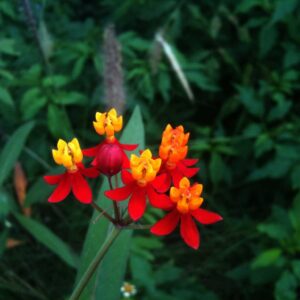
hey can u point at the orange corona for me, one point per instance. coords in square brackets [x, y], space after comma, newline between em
[173, 146]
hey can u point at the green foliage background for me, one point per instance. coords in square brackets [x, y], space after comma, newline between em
[241, 59]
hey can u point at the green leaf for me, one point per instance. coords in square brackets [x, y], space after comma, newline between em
[59, 122]
[267, 38]
[267, 258]
[3, 238]
[12, 150]
[106, 283]
[286, 287]
[8, 46]
[274, 230]
[32, 102]
[7, 203]
[5, 98]
[216, 169]
[70, 98]
[248, 98]
[296, 268]
[282, 9]
[42, 234]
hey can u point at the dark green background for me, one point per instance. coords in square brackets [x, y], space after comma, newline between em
[241, 59]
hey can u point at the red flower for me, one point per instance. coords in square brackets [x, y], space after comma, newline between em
[72, 181]
[177, 171]
[184, 205]
[142, 183]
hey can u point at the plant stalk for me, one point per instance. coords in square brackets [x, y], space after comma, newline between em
[115, 204]
[94, 264]
[103, 212]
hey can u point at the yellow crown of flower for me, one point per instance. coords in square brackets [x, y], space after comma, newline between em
[144, 168]
[68, 154]
[173, 146]
[108, 123]
[187, 197]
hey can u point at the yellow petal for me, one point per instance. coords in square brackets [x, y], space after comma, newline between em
[184, 183]
[174, 194]
[195, 203]
[196, 189]
[61, 144]
[156, 163]
[99, 128]
[57, 156]
[146, 154]
[134, 160]
[119, 124]
[100, 117]
[182, 206]
[112, 113]
[109, 129]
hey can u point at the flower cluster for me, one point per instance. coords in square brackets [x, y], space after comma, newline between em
[162, 181]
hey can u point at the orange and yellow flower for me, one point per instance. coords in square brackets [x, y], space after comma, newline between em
[140, 184]
[173, 151]
[186, 202]
[70, 156]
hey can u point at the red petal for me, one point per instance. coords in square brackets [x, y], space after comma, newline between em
[162, 182]
[190, 161]
[129, 147]
[137, 204]
[90, 152]
[126, 177]
[126, 163]
[62, 190]
[176, 176]
[120, 194]
[190, 172]
[53, 179]
[205, 216]
[189, 231]
[81, 189]
[161, 201]
[90, 172]
[167, 224]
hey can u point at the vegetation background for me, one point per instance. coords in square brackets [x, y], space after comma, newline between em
[241, 60]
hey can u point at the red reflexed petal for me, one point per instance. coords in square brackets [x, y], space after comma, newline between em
[53, 179]
[190, 172]
[176, 176]
[205, 216]
[190, 161]
[167, 224]
[126, 163]
[62, 190]
[126, 177]
[129, 147]
[137, 204]
[120, 194]
[90, 152]
[189, 231]
[81, 189]
[161, 201]
[90, 172]
[162, 182]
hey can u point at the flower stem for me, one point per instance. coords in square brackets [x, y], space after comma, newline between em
[115, 204]
[94, 264]
[103, 212]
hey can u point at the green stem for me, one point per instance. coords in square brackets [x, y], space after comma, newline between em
[94, 264]
[115, 204]
[103, 212]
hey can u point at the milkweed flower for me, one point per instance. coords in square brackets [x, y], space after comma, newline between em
[173, 150]
[185, 201]
[109, 156]
[70, 156]
[128, 290]
[140, 184]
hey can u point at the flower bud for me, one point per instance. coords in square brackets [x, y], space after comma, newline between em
[109, 159]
